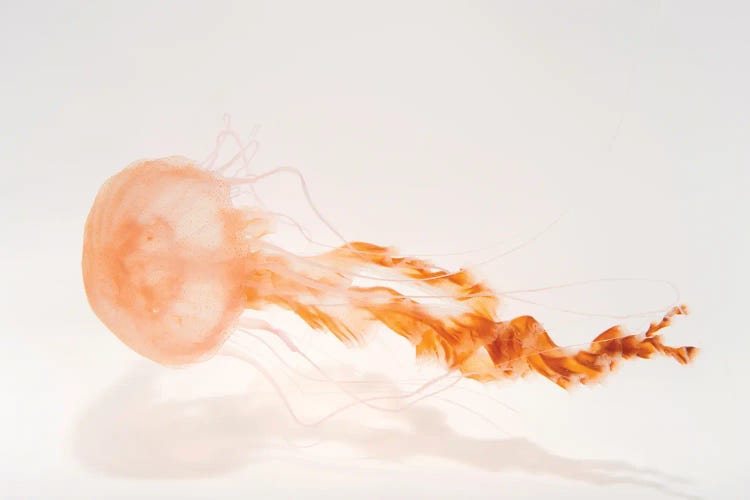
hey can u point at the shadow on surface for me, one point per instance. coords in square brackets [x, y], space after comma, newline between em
[129, 432]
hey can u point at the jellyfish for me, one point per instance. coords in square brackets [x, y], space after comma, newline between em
[173, 265]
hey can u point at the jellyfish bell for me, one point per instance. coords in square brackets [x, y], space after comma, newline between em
[164, 259]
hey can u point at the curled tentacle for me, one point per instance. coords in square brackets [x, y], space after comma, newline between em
[471, 339]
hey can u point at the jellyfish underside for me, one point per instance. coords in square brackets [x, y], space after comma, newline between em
[170, 264]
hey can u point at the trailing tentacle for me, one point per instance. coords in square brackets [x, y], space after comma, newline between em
[469, 338]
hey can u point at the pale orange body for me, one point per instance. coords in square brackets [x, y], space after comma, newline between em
[164, 258]
[170, 264]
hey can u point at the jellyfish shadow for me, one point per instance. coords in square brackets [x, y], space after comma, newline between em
[130, 432]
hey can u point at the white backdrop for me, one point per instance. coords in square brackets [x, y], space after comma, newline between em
[434, 127]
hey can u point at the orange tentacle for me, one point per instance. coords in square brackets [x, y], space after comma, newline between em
[524, 345]
[471, 340]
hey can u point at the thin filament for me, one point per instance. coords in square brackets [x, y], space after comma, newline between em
[285, 338]
[232, 349]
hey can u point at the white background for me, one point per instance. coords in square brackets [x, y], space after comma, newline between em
[437, 127]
